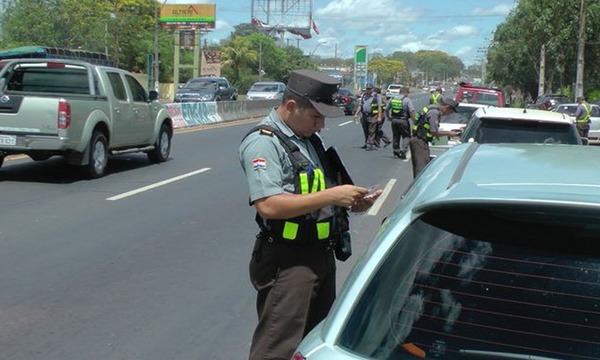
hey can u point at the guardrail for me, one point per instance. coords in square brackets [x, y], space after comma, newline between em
[210, 112]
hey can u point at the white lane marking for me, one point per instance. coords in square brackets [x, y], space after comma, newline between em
[380, 200]
[155, 185]
[346, 123]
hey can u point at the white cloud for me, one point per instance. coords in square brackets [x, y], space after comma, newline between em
[500, 9]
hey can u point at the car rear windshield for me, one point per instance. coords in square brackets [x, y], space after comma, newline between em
[522, 131]
[502, 290]
[202, 85]
[264, 88]
[476, 97]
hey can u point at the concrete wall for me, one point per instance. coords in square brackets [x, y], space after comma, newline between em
[210, 112]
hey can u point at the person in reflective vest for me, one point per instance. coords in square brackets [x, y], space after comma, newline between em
[371, 115]
[401, 112]
[582, 117]
[433, 100]
[297, 196]
[426, 127]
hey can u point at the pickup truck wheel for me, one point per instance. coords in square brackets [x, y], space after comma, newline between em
[162, 148]
[98, 155]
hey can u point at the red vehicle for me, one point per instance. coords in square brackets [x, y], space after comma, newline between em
[480, 95]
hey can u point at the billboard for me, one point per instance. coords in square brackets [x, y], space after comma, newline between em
[188, 16]
[210, 63]
[360, 66]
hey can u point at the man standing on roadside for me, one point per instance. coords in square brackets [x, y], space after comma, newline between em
[426, 128]
[297, 195]
[582, 117]
[370, 111]
[401, 112]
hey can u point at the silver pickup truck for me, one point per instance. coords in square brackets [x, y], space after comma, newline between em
[81, 111]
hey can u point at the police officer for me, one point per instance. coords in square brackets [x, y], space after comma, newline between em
[370, 111]
[435, 96]
[401, 111]
[426, 128]
[582, 117]
[293, 266]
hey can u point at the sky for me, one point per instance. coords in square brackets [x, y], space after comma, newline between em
[461, 28]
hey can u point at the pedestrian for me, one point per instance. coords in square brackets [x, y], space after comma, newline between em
[435, 96]
[426, 128]
[401, 112]
[297, 197]
[370, 110]
[582, 117]
[380, 134]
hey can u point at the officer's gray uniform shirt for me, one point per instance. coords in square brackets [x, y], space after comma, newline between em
[269, 170]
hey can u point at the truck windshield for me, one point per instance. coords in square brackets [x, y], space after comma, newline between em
[201, 85]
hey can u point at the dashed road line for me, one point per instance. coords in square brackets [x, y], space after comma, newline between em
[155, 185]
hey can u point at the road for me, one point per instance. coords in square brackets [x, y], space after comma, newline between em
[150, 261]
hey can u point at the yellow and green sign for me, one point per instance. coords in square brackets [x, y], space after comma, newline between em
[188, 16]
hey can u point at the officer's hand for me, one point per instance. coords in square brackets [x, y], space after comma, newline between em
[364, 203]
[347, 195]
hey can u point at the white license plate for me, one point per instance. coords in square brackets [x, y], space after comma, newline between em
[9, 140]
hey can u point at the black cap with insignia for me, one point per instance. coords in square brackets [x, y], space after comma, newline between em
[318, 88]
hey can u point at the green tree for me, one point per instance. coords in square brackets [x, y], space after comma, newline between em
[239, 55]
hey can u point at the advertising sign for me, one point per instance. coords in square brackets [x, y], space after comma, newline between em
[188, 16]
[211, 63]
[360, 66]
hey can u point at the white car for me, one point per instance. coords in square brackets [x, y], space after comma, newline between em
[393, 90]
[266, 91]
[594, 134]
[457, 121]
[518, 125]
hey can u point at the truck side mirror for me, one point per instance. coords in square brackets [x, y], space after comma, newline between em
[153, 95]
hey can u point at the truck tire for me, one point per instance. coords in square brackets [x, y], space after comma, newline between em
[98, 156]
[162, 147]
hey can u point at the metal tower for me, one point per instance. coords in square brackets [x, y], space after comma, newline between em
[275, 17]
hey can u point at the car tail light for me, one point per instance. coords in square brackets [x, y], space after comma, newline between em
[64, 114]
[298, 356]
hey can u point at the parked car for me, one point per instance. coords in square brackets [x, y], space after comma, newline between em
[207, 88]
[479, 95]
[512, 125]
[457, 121]
[594, 133]
[265, 91]
[548, 101]
[492, 253]
[346, 100]
[393, 90]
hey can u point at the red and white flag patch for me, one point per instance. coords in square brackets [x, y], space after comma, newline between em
[259, 163]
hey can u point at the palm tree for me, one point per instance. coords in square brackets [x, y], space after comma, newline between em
[238, 54]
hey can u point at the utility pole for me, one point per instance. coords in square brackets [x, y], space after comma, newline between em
[580, 52]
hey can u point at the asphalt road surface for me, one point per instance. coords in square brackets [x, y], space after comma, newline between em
[150, 262]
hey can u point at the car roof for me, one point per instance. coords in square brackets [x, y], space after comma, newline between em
[507, 113]
[473, 105]
[267, 83]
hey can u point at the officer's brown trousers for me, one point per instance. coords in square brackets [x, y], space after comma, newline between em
[296, 288]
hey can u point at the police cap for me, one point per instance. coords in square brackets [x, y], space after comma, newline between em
[318, 88]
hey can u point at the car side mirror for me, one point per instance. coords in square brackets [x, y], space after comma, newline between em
[153, 95]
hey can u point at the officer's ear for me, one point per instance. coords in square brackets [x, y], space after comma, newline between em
[290, 105]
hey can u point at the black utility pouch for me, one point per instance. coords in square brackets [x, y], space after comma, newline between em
[343, 247]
